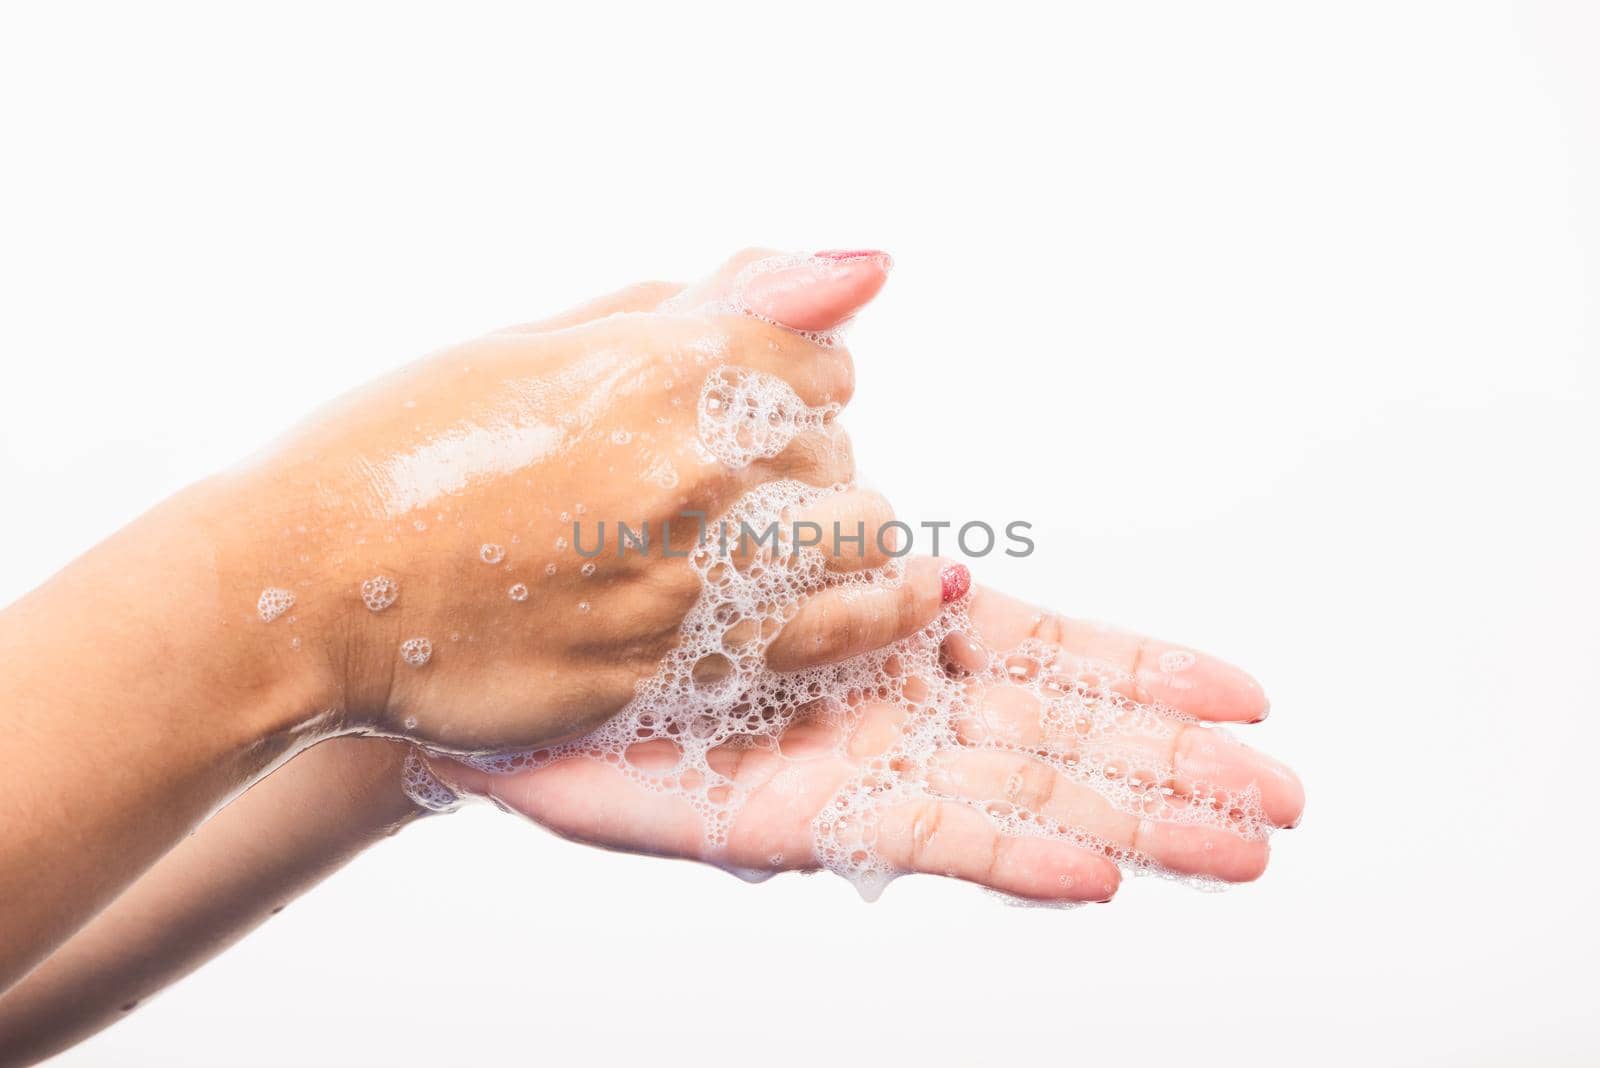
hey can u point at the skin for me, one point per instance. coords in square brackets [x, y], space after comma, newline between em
[142, 689]
[325, 806]
[277, 840]
[945, 835]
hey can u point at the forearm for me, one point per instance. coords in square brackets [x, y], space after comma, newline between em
[277, 840]
[135, 698]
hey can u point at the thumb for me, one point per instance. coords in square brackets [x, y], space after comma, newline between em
[812, 292]
[817, 292]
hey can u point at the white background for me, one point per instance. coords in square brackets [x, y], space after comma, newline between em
[1278, 321]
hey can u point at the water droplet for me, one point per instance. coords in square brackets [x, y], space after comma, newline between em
[519, 592]
[583, 606]
[491, 553]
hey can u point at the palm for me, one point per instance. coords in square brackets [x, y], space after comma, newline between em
[991, 768]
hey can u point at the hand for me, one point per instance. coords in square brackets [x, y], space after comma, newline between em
[428, 548]
[1006, 761]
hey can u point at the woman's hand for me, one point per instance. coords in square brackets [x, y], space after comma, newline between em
[415, 542]
[340, 582]
[1006, 760]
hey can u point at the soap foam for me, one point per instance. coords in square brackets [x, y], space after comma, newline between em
[416, 651]
[273, 602]
[379, 592]
[423, 787]
[714, 689]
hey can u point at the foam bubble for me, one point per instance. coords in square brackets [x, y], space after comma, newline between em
[747, 415]
[379, 592]
[273, 602]
[1175, 660]
[714, 690]
[416, 651]
[424, 788]
[518, 592]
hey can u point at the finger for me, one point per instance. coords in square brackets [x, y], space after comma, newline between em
[877, 728]
[1191, 682]
[997, 777]
[1199, 761]
[820, 375]
[813, 292]
[817, 293]
[823, 457]
[951, 839]
[1190, 753]
[1213, 757]
[645, 296]
[844, 621]
[854, 527]
[1002, 715]
[717, 288]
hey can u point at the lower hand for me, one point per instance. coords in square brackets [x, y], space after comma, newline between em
[1006, 764]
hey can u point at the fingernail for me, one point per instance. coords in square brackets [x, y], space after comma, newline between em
[853, 254]
[954, 581]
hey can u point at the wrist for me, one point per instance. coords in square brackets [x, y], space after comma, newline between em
[276, 641]
[137, 702]
[185, 624]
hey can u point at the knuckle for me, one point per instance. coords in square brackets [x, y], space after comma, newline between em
[1049, 628]
[876, 511]
[924, 829]
[1178, 746]
[999, 845]
[830, 641]
[840, 386]
[821, 458]
[841, 454]
[750, 254]
[1036, 784]
[912, 606]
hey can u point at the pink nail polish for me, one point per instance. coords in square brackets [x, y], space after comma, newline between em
[954, 581]
[849, 253]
